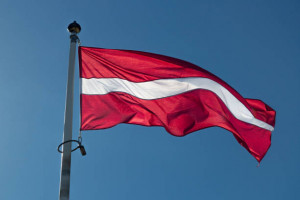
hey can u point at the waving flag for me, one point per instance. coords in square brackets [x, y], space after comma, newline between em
[123, 86]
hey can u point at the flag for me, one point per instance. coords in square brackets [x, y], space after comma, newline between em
[133, 87]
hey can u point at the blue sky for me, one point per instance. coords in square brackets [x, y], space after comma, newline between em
[252, 45]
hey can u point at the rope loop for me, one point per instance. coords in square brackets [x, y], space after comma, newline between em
[81, 147]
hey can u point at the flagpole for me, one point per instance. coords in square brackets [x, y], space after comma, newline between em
[64, 188]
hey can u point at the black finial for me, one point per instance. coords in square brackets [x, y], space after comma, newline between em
[74, 27]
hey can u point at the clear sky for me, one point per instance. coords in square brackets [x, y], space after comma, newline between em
[252, 45]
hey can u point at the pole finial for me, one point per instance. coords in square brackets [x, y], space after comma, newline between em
[74, 27]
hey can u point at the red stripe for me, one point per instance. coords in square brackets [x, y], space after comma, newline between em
[180, 115]
[136, 66]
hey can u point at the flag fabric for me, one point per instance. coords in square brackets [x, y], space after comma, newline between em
[124, 86]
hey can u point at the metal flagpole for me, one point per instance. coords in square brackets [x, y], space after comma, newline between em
[64, 188]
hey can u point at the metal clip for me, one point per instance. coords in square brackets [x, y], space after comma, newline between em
[82, 150]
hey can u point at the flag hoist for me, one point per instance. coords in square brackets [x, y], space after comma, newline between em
[64, 189]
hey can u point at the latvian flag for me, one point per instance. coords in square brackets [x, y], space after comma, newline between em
[123, 86]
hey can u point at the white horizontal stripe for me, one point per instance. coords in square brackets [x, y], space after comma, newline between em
[169, 87]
